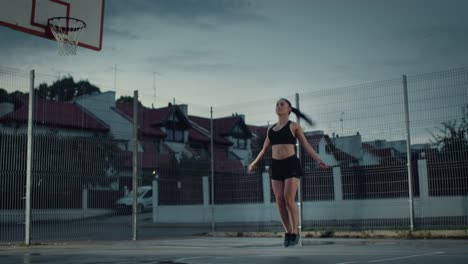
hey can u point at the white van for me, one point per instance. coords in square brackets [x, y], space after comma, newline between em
[144, 200]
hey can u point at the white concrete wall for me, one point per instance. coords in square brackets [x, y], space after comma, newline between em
[327, 210]
[17, 216]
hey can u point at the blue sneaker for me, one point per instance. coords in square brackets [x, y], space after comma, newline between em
[294, 239]
[287, 239]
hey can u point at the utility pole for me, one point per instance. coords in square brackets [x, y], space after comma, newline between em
[154, 84]
[341, 120]
[408, 152]
[115, 76]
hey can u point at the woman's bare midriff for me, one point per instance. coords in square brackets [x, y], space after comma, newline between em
[282, 151]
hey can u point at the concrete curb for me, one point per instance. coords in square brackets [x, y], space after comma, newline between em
[402, 234]
[45, 215]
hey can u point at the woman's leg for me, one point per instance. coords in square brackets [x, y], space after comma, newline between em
[290, 190]
[278, 190]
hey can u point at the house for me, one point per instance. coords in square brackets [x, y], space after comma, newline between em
[232, 142]
[349, 144]
[102, 107]
[398, 145]
[68, 141]
[331, 154]
[163, 137]
[381, 156]
[60, 118]
[164, 130]
[378, 152]
[259, 134]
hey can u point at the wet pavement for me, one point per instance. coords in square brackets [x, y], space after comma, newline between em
[223, 250]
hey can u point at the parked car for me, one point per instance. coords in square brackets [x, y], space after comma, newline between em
[144, 200]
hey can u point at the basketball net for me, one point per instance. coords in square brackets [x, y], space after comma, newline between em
[66, 30]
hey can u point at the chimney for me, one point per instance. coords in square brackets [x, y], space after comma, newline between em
[184, 109]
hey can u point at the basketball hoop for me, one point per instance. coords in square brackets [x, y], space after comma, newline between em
[66, 31]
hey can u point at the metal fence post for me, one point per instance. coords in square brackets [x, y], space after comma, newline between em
[299, 188]
[408, 152]
[27, 213]
[135, 165]
[212, 169]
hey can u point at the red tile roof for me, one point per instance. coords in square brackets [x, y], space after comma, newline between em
[314, 140]
[221, 126]
[201, 121]
[205, 124]
[388, 155]
[56, 114]
[259, 131]
[379, 152]
[224, 126]
[196, 135]
[150, 119]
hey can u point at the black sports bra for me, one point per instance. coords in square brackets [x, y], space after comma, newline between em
[282, 136]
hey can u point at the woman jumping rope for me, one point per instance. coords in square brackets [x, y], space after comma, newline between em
[285, 166]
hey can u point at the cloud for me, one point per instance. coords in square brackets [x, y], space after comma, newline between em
[12, 40]
[420, 47]
[182, 55]
[111, 32]
[191, 61]
[205, 13]
[445, 40]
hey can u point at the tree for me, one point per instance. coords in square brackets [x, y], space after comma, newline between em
[5, 97]
[453, 135]
[127, 100]
[452, 142]
[66, 89]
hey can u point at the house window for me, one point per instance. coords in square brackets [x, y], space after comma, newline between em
[175, 135]
[241, 143]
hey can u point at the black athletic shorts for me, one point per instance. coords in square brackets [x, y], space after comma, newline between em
[286, 168]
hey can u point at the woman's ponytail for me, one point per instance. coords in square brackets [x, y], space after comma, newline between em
[299, 114]
[302, 116]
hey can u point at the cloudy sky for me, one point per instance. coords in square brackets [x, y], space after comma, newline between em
[228, 52]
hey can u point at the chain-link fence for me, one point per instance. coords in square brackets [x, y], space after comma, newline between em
[190, 162]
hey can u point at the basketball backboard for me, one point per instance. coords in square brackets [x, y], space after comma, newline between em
[31, 16]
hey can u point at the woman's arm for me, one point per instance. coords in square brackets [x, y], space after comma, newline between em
[260, 155]
[307, 147]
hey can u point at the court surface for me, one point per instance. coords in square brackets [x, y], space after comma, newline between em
[241, 250]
